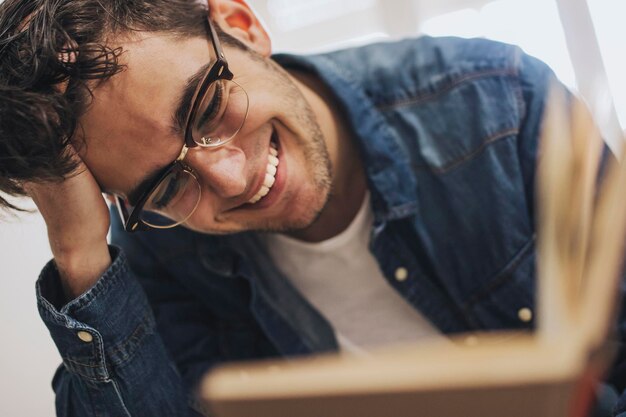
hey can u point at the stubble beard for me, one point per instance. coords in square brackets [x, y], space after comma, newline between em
[313, 146]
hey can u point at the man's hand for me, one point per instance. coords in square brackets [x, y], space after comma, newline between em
[78, 221]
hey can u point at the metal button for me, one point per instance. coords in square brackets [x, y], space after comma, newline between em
[525, 314]
[401, 274]
[85, 336]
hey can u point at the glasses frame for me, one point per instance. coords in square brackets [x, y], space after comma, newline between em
[218, 71]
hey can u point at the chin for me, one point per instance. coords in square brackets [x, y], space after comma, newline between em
[302, 214]
[296, 220]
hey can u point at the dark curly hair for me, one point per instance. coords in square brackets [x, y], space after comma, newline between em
[50, 50]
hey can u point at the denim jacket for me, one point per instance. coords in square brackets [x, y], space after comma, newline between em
[447, 130]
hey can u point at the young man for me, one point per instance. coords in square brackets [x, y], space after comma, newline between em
[342, 201]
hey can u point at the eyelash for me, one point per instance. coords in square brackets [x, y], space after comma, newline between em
[214, 105]
[170, 191]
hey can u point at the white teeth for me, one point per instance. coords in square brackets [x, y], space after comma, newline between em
[269, 180]
[270, 174]
[271, 169]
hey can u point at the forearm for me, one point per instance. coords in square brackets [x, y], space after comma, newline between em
[114, 362]
[77, 221]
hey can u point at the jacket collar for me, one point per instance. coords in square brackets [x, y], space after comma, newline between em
[391, 180]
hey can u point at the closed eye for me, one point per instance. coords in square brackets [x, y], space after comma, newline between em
[214, 106]
[163, 199]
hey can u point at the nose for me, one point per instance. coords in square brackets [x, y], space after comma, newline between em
[222, 170]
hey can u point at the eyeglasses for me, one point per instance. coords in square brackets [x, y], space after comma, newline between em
[219, 110]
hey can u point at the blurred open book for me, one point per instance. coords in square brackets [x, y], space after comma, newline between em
[550, 373]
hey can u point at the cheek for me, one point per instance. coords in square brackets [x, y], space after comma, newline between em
[254, 141]
[273, 96]
[205, 212]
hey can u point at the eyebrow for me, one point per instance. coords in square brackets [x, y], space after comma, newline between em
[178, 127]
[184, 102]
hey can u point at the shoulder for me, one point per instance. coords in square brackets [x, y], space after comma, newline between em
[391, 72]
[439, 53]
[423, 64]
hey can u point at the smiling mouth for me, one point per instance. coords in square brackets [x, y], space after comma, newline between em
[270, 173]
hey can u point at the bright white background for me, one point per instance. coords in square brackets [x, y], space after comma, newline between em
[27, 356]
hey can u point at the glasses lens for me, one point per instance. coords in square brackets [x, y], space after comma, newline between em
[221, 113]
[173, 201]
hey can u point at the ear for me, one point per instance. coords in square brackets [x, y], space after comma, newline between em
[237, 19]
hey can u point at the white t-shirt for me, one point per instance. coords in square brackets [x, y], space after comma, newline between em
[341, 278]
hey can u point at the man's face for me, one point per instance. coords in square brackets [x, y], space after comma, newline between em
[130, 132]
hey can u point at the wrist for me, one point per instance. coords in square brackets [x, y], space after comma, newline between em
[80, 269]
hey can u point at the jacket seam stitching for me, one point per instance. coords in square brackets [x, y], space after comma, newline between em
[471, 155]
[81, 364]
[143, 330]
[447, 87]
[502, 276]
[119, 396]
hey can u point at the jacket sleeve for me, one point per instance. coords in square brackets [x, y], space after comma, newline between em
[115, 362]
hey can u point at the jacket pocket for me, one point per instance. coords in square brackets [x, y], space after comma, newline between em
[507, 301]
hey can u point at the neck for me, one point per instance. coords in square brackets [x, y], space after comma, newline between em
[348, 178]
